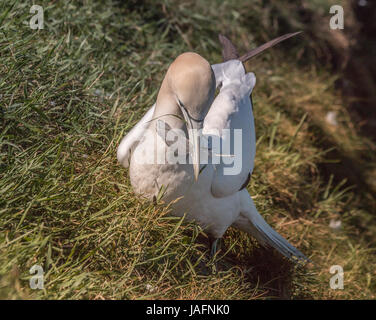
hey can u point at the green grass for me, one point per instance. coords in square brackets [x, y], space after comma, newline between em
[71, 91]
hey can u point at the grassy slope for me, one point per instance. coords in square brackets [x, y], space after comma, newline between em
[71, 91]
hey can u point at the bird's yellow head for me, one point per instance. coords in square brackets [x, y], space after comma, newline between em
[185, 96]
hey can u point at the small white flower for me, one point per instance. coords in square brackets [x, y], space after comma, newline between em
[335, 224]
[331, 118]
[150, 288]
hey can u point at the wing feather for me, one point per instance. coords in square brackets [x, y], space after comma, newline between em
[230, 125]
[131, 139]
[229, 51]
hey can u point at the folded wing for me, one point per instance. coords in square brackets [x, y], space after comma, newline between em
[229, 127]
[130, 141]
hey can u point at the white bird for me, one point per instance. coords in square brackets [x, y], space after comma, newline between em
[205, 193]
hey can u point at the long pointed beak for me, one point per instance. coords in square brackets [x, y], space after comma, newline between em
[194, 129]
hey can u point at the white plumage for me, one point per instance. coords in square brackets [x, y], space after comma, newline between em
[232, 110]
[216, 200]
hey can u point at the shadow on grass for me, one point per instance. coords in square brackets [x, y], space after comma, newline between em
[263, 268]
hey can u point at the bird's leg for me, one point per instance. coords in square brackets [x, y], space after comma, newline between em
[213, 251]
[213, 247]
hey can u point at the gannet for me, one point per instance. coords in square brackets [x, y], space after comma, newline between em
[187, 107]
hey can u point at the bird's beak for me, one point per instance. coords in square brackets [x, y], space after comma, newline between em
[194, 130]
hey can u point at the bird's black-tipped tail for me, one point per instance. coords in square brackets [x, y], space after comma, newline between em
[253, 223]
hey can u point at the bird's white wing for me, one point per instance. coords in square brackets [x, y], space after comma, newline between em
[130, 141]
[230, 126]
